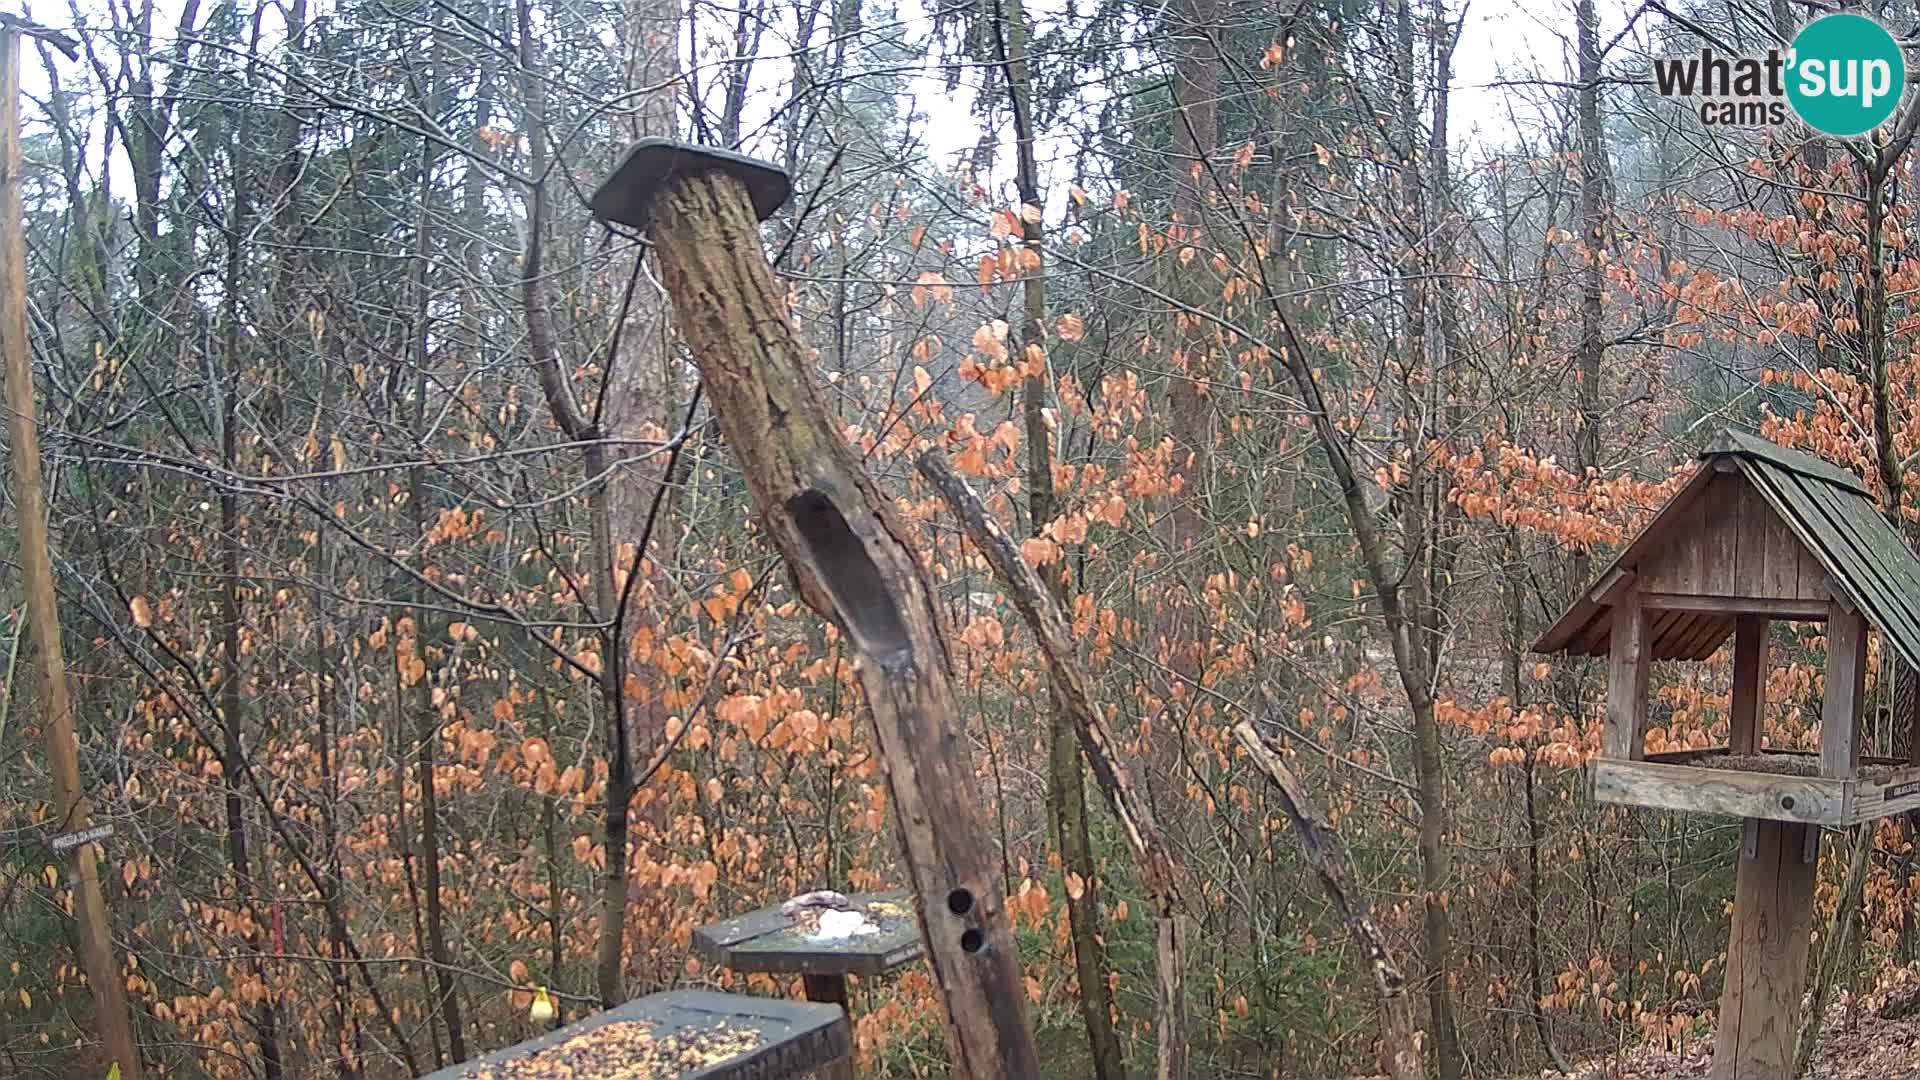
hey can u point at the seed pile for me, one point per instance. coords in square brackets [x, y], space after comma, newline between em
[627, 1050]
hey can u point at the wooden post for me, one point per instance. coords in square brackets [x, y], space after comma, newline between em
[842, 540]
[1767, 953]
[1846, 690]
[1627, 659]
[36, 566]
[1749, 684]
[831, 989]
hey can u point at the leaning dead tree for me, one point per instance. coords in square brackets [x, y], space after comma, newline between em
[842, 541]
[1164, 876]
[1399, 1050]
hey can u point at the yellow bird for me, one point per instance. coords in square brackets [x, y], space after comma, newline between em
[543, 1010]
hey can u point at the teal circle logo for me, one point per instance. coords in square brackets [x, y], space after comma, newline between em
[1845, 75]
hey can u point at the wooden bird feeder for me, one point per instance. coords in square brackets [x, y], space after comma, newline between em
[1760, 533]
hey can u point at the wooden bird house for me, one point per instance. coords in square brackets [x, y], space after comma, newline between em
[1761, 533]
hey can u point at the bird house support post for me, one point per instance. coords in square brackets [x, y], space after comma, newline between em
[1767, 952]
[844, 544]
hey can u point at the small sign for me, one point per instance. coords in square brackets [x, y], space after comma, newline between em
[1901, 791]
[72, 840]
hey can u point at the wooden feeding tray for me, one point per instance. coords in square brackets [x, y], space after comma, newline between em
[1777, 785]
[767, 940]
[677, 1035]
[773, 940]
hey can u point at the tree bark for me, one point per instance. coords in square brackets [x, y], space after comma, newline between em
[232, 683]
[606, 599]
[446, 1003]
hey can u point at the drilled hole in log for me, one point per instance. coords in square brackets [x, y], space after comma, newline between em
[859, 592]
[959, 901]
[972, 941]
[1786, 802]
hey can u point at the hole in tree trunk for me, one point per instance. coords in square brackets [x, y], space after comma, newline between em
[859, 592]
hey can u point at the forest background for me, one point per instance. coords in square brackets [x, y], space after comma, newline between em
[425, 652]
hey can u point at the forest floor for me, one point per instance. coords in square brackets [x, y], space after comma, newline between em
[1879, 1039]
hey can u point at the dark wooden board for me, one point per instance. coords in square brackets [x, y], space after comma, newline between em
[766, 940]
[796, 1036]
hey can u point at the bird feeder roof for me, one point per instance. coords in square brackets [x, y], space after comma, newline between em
[1735, 506]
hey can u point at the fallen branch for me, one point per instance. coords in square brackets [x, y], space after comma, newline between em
[1400, 1050]
[1165, 877]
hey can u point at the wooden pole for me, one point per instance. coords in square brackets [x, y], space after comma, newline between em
[1625, 737]
[843, 541]
[63, 748]
[1767, 954]
[1749, 684]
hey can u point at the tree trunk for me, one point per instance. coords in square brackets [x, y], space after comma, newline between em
[841, 538]
[1196, 131]
[1066, 783]
[97, 957]
[446, 1003]
[1593, 238]
[637, 404]
[232, 682]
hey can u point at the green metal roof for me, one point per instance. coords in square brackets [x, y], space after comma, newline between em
[1832, 513]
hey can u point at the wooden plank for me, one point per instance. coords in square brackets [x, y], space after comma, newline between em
[1766, 956]
[1607, 591]
[1680, 757]
[1749, 684]
[1873, 562]
[1784, 555]
[1708, 636]
[1792, 608]
[1811, 575]
[1676, 567]
[1719, 543]
[1897, 794]
[1803, 519]
[1751, 519]
[1887, 552]
[1846, 690]
[767, 940]
[1811, 799]
[1664, 630]
[1593, 638]
[1627, 663]
[794, 1037]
